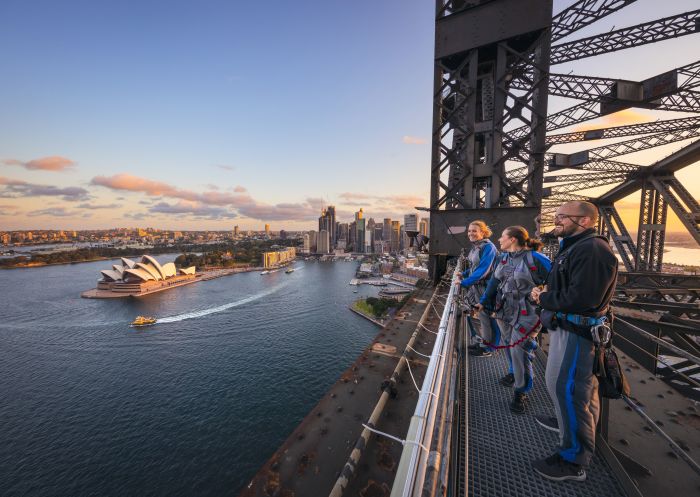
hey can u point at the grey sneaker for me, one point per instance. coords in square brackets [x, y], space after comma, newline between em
[508, 380]
[547, 422]
[480, 352]
[557, 468]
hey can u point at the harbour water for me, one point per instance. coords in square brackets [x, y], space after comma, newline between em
[191, 406]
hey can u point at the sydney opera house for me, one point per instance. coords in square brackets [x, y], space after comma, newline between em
[138, 278]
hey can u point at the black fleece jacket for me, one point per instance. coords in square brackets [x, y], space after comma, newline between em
[583, 277]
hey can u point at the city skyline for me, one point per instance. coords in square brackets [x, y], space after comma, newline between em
[166, 119]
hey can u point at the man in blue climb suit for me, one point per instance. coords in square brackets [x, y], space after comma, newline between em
[575, 299]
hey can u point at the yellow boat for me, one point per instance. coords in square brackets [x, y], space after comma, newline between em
[143, 321]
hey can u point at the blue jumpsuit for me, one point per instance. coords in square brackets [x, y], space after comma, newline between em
[481, 257]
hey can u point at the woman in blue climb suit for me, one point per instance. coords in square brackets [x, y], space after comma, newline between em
[481, 258]
[517, 272]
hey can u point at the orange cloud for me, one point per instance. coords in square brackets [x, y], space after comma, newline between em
[128, 182]
[621, 118]
[52, 163]
[413, 140]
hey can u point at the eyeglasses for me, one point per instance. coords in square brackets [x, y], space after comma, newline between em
[559, 217]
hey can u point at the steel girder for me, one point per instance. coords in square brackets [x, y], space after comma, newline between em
[634, 36]
[670, 125]
[582, 13]
[612, 225]
[651, 231]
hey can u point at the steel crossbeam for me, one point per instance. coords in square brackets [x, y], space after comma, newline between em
[582, 13]
[634, 36]
[669, 125]
[617, 231]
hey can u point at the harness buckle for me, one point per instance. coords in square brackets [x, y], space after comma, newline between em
[601, 332]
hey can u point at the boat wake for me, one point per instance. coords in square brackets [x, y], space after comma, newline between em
[212, 310]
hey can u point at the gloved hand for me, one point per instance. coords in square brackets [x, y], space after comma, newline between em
[529, 344]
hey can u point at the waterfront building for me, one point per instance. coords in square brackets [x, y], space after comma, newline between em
[324, 241]
[360, 234]
[277, 257]
[342, 234]
[5, 238]
[352, 234]
[395, 237]
[307, 243]
[313, 241]
[148, 275]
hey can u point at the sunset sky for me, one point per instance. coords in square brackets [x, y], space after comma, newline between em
[205, 115]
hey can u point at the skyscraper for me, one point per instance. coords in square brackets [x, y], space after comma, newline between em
[324, 241]
[395, 237]
[267, 230]
[386, 230]
[235, 231]
[360, 235]
[327, 222]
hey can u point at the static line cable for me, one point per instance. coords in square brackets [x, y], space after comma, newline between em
[656, 358]
[663, 343]
[676, 448]
[423, 355]
[426, 329]
[396, 439]
[408, 365]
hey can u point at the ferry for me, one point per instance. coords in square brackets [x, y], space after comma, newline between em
[290, 270]
[265, 272]
[143, 321]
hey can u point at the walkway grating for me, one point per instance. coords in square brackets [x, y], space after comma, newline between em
[502, 444]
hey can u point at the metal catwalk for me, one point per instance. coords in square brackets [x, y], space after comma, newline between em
[501, 444]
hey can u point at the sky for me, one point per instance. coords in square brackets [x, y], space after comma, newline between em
[210, 114]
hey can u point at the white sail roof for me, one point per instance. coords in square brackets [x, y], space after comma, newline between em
[187, 270]
[169, 269]
[138, 273]
[128, 262]
[111, 275]
[150, 269]
[147, 259]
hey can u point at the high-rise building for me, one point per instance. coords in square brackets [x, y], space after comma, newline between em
[395, 237]
[386, 230]
[359, 214]
[313, 241]
[343, 233]
[423, 227]
[361, 232]
[267, 230]
[410, 222]
[324, 242]
[352, 234]
[378, 229]
[283, 234]
[307, 243]
[235, 231]
[327, 222]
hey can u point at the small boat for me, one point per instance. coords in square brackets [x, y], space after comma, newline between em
[265, 272]
[290, 270]
[143, 321]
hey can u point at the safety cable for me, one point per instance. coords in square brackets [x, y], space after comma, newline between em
[396, 439]
[663, 343]
[657, 358]
[674, 446]
[408, 365]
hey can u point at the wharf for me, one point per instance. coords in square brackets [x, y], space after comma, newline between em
[310, 460]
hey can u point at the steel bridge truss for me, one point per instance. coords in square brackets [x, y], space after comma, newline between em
[496, 148]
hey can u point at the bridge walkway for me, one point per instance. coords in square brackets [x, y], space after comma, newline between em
[501, 444]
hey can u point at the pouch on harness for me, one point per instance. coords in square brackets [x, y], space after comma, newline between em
[612, 383]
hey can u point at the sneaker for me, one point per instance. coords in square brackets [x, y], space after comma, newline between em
[547, 422]
[508, 380]
[557, 468]
[480, 352]
[517, 406]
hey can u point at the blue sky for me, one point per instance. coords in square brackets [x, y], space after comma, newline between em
[209, 114]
